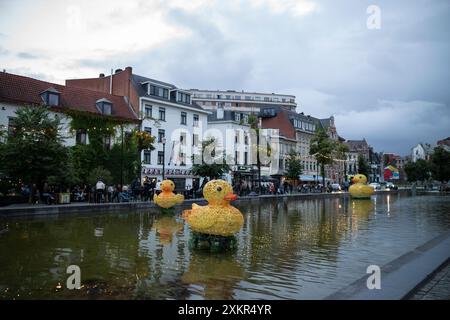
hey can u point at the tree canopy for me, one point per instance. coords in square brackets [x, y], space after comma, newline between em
[340, 151]
[294, 166]
[363, 166]
[213, 169]
[440, 164]
[322, 148]
[417, 171]
[34, 151]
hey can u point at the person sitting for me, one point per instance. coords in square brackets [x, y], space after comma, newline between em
[47, 195]
[124, 195]
[78, 194]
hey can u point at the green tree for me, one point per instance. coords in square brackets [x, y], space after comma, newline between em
[440, 164]
[143, 141]
[322, 148]
[363, 167]
[3, 133]
[34, 151]
[341, 150]
[417, 171]
[100, 173]
[294, 166]
[122, 162]
[215, 168]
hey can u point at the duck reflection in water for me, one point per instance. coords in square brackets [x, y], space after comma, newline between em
[218, 274]
[362, 208]
[166, 227]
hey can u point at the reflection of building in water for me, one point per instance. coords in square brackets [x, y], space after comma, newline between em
[294, 230]
[111, 265]
[218, 274]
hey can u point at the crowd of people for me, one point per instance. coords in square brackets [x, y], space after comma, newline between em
[136, 191]
[100, 192]
[245, 188]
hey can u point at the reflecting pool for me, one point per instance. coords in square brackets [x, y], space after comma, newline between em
[296, 249]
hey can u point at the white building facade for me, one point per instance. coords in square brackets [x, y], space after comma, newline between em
[178, 125]
[241, 100]
[421, 151]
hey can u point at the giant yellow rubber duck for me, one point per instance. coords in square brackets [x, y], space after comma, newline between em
[359, 189]
[167, 199]
[218, 217]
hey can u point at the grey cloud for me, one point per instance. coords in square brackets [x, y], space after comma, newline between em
[396, 126]
[331, 57]
[328, 59]
[26, 55]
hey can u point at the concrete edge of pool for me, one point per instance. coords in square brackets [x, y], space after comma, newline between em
[42, 210]
[402, 276]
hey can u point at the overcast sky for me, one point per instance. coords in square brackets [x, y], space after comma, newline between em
[389, 85]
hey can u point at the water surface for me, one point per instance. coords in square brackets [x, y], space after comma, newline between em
[296, 249]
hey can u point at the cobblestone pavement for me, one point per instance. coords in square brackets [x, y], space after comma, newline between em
[437, 288]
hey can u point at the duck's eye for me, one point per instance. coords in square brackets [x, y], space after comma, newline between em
[219, 189]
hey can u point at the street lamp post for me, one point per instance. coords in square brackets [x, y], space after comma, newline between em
[121, 157]
[258, 160]
[163, 140]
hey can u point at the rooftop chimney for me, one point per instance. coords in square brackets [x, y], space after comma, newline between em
[118, 70]
[101, 75]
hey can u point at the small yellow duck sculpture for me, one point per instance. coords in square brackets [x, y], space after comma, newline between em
[167, 199]
[218, 217]
[359, 189]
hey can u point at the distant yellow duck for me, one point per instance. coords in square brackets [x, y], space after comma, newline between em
[167, 199]
[218, 217]
[359, 189]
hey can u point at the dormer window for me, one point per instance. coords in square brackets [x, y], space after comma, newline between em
[158, 91]
[50, 97]
[270, 112]
[183, 97]
[104, 106]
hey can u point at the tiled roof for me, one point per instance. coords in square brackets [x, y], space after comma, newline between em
[357, 144]
[24, 90]
[280, 121]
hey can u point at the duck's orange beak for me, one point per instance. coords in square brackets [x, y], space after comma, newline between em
[230, 197]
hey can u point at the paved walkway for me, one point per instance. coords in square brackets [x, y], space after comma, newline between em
[437, 288]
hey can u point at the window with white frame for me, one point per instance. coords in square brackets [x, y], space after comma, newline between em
[195, 120]
[147, 157]
[148, 110]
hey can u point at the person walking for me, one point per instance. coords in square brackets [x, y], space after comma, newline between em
[110, 193]
[116, 194]
[152, 188]
[100, 188]
[158, 187]
[146, 189]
